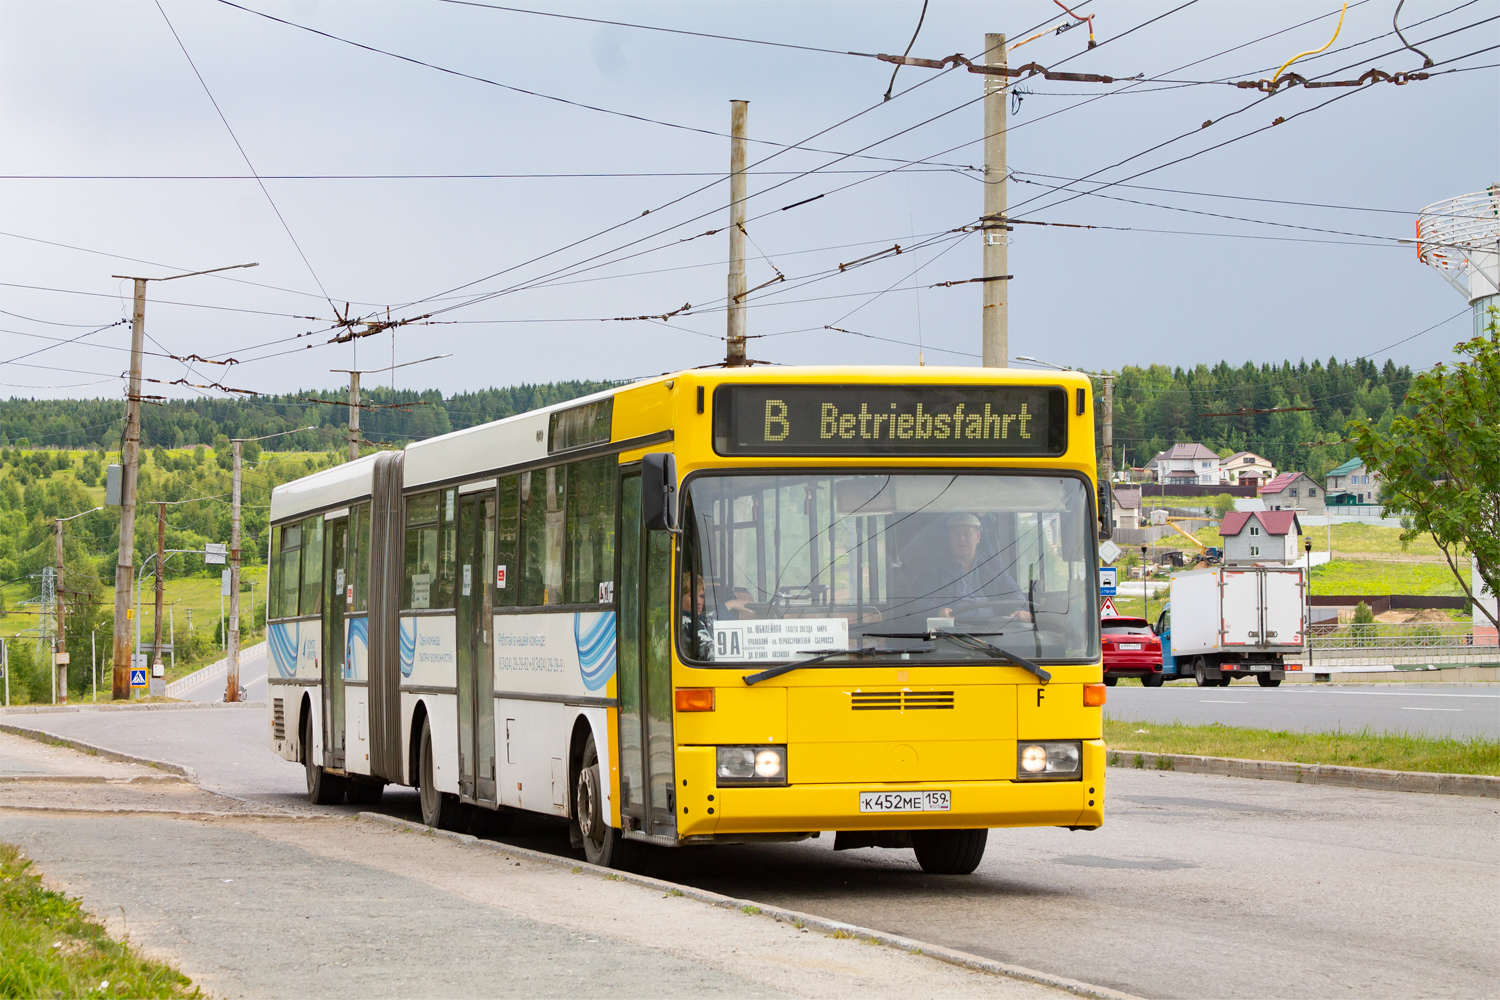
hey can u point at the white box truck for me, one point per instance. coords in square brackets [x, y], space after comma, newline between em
[1233, 621]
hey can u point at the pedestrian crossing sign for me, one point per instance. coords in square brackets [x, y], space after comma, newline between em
[1107, 609]
[137, 677]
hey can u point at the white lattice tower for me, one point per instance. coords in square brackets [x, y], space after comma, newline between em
[1460, 237]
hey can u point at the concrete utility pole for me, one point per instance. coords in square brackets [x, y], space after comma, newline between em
[125, 564]
[1109, 428]
[60, 650]
[995, 324]
[353, 415]
[161, 571]
[232, 655]
[735, 342]
[130, 460]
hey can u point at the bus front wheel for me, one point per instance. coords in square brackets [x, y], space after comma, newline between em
[949, 852]
[602, 844]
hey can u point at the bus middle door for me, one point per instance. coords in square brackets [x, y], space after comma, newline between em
[335, 569]
[475, 660]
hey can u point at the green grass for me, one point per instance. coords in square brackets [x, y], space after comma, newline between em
[50, 947]
[1352, 576]
[1395, 751]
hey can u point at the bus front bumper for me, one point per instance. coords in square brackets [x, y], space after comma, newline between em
[703, 809]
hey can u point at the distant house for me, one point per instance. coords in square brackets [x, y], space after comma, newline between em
[1261, 536]
[1246, 468]
[1352, 483]
[1187, 465]
[1127, 508]
[1293, 491]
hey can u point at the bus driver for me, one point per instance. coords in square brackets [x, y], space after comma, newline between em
[969, 586]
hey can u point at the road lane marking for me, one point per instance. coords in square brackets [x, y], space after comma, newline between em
[1217, 701]
[1399, 694]
[1415, 708]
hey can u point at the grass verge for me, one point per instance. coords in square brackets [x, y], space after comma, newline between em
[49, 947]
[1395, 751]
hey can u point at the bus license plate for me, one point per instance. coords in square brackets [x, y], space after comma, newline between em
[903, 802]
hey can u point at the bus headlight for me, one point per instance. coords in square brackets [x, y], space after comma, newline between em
[1052, 761]
[752, 765]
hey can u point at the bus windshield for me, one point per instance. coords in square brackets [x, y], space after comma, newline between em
[779, 567]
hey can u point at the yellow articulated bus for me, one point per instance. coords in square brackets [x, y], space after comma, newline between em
[720, 606]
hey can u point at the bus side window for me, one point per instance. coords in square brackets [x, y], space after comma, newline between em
[591, 531]
[287, 553]
[421, 552]
[312, 565]
[543, 492]
[448, 551]
[507, 582]
[359, 537]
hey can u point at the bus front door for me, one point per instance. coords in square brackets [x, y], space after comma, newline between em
[475, 661]
[644, 678]
[335, 569]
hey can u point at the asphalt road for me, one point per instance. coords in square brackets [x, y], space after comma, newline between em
[1429, 709]
[1196, 886]
[253, 666]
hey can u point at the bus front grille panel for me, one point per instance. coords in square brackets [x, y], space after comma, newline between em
[900, 701]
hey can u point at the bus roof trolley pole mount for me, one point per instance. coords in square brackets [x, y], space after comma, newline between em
[659, 492]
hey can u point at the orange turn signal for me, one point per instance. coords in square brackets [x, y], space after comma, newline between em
[695, 699]
[1093, 695]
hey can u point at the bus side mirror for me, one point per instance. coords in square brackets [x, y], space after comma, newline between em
[1106, 510]
[659, 491]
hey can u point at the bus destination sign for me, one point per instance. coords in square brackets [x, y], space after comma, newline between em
[966, 420]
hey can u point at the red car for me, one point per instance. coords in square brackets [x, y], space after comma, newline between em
[1131, 649]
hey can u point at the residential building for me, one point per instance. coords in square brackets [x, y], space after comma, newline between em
[1127, 508]
[1246, 468]
[1271, 537]
[1188, 465]
[1293, 491]
[1352, 483]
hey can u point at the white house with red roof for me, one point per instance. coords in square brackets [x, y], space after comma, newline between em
[1261, 536]
[1293, 491]
[1246, 468]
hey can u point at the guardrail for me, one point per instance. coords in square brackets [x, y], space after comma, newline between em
[215, 669]
[1406, 643]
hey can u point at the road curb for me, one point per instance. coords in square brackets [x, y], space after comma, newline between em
[174, 813]
[42, 736]
[154, 706]
[1373, 779]
[833, 927]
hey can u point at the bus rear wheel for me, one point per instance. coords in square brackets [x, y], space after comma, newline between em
[439, 809]
[949, 852]
[323, 789]
[602, 844]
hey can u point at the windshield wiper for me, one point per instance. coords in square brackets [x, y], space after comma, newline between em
[786, 668]
[973, 641]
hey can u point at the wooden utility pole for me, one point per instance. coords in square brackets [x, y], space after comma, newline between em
[995, 324]
[161, 570]
[232, 653]
[735, 341]
[60, 650]
[130, 459]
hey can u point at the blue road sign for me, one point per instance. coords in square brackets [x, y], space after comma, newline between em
[1107, 581]
[137, 678]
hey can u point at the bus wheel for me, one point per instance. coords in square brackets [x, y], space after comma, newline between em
[323, 789]
[602, 844]
[439, 809]
[949, 852]
[1200, 674]
[365, 793]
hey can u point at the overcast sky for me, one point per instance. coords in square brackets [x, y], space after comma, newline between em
[105, 90]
